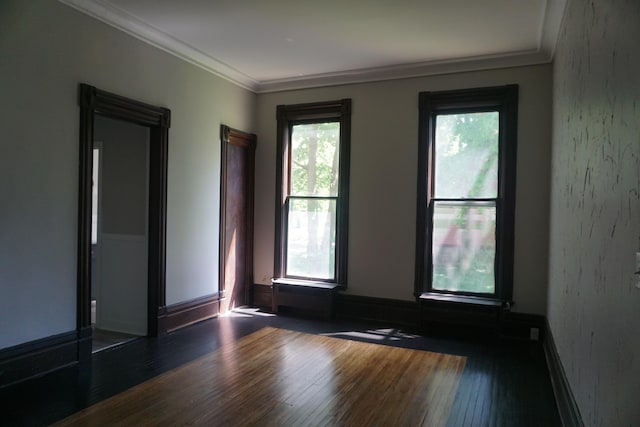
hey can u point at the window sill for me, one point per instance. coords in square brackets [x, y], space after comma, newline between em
[461, 299]
[306, 283]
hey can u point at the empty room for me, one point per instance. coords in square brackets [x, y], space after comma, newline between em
[340, 213]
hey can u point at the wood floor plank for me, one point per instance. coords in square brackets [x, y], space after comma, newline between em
[281, 377]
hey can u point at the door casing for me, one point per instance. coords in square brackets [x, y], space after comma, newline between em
[232, 293]
[95, 101]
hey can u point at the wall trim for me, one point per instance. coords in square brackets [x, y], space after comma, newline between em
[93, 101]
[261, 296]
[517, 325]
[38, 357]
[189, 312]
[399, 312]
[565, 401]
[506, 324]
[129, 24]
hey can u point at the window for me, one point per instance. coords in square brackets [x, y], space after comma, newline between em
[466, 192]
[313, 192]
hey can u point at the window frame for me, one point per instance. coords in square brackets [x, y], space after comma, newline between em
[288, 116]
[504, 100]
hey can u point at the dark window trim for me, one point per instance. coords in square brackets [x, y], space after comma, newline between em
[287, 116]
[505, 100]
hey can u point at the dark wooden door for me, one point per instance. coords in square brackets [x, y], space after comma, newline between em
[236, 217]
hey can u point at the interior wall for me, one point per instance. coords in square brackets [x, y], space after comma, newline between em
[383, 180]
[595, 208]
[124, 175]
[47, 49]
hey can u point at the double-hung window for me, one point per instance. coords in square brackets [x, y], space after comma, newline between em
[312, 197]
[466, 192]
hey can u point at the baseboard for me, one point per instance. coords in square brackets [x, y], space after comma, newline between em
[567, 406]
[262, 296]
[189, 312]
[36, 358]
[522, 326]
[460, 317]
[397, 312]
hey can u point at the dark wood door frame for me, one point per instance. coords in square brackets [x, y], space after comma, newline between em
[230, 136]
[95, 101]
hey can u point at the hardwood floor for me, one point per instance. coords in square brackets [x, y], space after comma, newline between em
[504, 383]
[291, 378]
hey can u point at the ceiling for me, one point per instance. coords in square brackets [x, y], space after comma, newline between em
[286, 44]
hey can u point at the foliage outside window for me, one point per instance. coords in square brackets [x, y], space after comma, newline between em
[466, 194]
[312, 191]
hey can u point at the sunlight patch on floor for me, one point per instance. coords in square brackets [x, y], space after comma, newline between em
[247, 312]
[374, 334]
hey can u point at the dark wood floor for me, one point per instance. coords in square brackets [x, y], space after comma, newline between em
[504, 383]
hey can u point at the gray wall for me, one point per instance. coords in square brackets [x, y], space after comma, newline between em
[46, 49]
[383, 180]
[124, 175]
[594, 308]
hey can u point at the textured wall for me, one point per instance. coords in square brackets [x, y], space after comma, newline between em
[594, 308]
[383, 180]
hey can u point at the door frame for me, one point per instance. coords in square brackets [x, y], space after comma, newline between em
[94, 101]
[230, 136]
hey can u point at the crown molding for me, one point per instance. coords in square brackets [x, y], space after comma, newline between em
[139, 29]
[115, 17]
[554, 13]
[404, 71]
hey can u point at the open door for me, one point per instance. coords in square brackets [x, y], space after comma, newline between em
[236, 217]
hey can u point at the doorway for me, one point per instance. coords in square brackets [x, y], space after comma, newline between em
[236, 217]
[98, 106]
[119, 232]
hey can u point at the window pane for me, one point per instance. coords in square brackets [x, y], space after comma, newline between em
[311, 238]
[464, 246]
[466, 155]
[314, 159]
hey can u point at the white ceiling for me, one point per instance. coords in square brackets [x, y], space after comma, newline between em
[273, 45]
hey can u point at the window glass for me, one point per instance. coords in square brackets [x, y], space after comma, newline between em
[466, 155]
[314, 159]
[464, 246]
[311, 238]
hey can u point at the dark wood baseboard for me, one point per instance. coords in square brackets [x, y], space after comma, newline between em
[85, 344]
[189, 312]
[522, 326]
[305, 299]
[567, 406]
[459, 317]
[447, 318]
[36, 358]
[397, 312]
[484, 318]
[262, 296]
